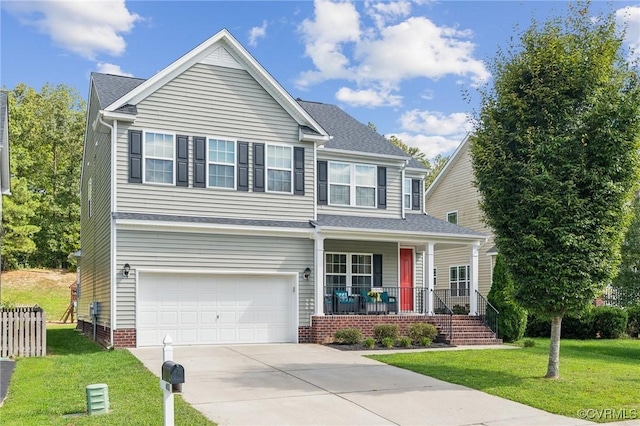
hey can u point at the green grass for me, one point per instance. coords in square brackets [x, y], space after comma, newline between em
[594, 374]
[46, 288]
[42, 390]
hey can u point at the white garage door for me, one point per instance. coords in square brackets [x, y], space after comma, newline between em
[210, 309]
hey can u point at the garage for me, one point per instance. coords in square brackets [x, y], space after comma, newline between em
[198, 309]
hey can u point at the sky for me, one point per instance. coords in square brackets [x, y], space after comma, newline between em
[411, 68]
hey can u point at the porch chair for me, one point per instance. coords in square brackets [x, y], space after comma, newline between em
[391, 301]
[344, 304]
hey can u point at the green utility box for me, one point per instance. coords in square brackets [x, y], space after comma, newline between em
[97, 399]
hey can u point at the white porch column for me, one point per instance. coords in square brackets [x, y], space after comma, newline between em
[319, 274]
[430, 260]
[473, 302]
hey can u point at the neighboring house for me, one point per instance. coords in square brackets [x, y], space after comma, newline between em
[453, 197]
[218, 209]
[5, 175]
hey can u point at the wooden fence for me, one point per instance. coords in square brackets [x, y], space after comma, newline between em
[23, 331]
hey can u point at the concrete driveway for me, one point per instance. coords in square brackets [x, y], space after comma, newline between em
[305, 384]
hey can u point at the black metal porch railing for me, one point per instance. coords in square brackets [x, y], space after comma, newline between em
[487, 313]
[340, 300]
[457, 300]
[444, 314]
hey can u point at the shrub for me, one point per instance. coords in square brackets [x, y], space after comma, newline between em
[405, 342]
[348, 336]
[382, 331]
[529, 343]
[387, 342]
[420, 330]
[460, 310]
[633, 322]
[425, 341]
[574, 326]
[537, 326]
[609, 322]
[512, 318]
[369, 343]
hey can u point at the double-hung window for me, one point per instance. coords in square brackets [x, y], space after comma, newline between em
[279, 168]
[349, 271]
[159, 158]
[459, 280]
[452, 217]
[222, 163]
[352, 184]
[407, 192]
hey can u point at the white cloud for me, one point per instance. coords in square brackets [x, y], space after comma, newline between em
[257, 33]
[342, 47]
[629, 17]
[433, 132]
[367, 98]
[107, 68]
[85, 27]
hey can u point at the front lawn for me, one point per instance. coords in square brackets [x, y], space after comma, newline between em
[42, 390]
[595, 375]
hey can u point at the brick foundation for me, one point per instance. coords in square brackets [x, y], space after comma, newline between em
[305, 334]
[324, 326]
[122, 338]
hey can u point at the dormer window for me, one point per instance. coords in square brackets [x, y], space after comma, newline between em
[352, 184]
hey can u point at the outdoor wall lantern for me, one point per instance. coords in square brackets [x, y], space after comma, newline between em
[125, 270]
[306, 274]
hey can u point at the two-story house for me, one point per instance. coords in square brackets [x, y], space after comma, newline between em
[452, 197]
[216, 208]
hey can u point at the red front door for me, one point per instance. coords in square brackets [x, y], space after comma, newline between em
[406, 279]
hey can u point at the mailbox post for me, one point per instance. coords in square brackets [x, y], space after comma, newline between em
[171, 380]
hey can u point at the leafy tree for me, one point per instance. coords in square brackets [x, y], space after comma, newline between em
[555, 156]
[412, 151]
[512, 319]
[47, 130]
[437, 164]
[627, 283]
[17, 212]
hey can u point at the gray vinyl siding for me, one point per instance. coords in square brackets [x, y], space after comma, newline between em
[180, 251]
[95, 231]
[419, 278]
[389, 252]
[455, 192]
[394, 197]
[414, 175]
[209, 100]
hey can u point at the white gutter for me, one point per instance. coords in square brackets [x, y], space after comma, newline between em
[112, 230]
[393, 159]
[315, 182]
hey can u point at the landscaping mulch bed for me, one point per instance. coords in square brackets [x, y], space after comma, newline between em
[378, 347]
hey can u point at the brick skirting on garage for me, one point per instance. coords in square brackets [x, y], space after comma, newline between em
[122, 338]
[323, 327]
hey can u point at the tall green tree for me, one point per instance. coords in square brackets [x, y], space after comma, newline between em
[47, 130]
[512, 319]
[555, 156]
[17, 214]
[627, 282]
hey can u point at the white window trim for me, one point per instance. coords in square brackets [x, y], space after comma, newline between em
[452, 212]
[144, 157]
[267, 168]
[468, 280]
[352, 185]
[216, 163]
[349, 274]
[407, 206]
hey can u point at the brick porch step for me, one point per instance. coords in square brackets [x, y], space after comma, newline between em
[466, 330]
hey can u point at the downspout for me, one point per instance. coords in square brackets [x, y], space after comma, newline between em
[402, 206]
[112, 268]
[315, 182]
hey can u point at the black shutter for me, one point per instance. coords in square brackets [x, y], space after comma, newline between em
[199, 161]
[258, 167]
[182, 156]
[382, 187]
[298, 170]
[243, 166]
[322, 183]
[415, 194]
[135, 156]
[377, 270]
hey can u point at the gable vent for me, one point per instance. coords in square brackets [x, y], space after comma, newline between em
[221, 57]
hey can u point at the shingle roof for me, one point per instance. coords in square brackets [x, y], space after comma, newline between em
[414, 223]
[214, 220]
[351, 135]
[111, 87]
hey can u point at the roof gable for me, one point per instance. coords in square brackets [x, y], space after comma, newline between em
[224, 50]
[453, 160]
